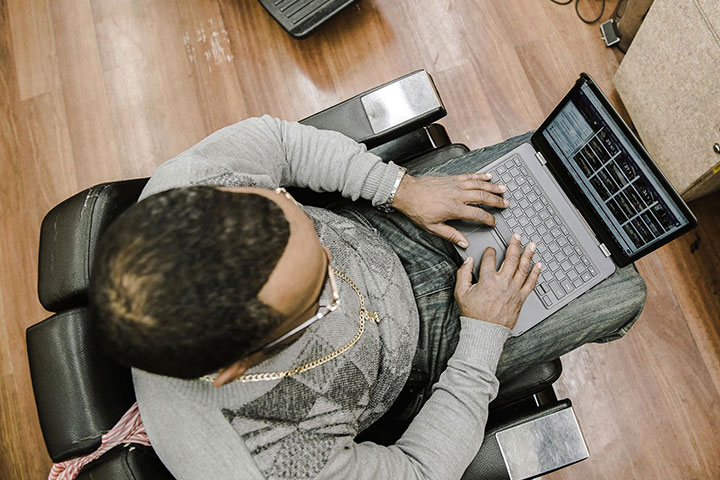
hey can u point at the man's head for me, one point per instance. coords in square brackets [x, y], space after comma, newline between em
[189, 281]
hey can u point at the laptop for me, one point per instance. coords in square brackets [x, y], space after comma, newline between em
[587, 193]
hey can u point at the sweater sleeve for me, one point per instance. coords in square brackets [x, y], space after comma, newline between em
[440, 443]
[446, 435]
[268, 152]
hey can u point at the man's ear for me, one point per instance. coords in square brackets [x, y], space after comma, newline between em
[228, 374]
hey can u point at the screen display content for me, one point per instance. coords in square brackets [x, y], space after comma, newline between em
[611, 173]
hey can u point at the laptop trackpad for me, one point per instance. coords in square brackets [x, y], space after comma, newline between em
[480, 238]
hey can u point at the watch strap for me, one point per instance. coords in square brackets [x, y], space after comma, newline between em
[386, 206]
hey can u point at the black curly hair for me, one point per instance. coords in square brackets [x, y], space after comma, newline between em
[174, 283]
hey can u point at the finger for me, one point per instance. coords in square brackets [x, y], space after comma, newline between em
[481, 181]
[475, 214]
[488, 261]
[512, 256]
[482, 197]
[531, 280]
[524, 265]
[464, 276]
[450, 234]
[467, 178]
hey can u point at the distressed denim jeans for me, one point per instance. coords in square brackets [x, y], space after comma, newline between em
[604, 313]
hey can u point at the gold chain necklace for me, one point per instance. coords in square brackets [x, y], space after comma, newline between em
[364, 315]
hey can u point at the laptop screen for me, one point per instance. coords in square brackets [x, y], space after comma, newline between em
[612, 174]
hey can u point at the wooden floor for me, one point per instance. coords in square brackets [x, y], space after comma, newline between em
[99, 90]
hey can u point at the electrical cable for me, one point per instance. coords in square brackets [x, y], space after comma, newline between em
[577, 10]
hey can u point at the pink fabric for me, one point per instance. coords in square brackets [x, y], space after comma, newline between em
[129, 429]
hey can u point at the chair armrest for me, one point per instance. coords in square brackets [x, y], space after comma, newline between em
[529, 445]
[412, 145]
[385, 112]
[535, 379]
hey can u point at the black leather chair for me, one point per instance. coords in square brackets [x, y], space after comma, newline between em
[80, 392]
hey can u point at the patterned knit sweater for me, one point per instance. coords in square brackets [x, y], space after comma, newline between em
[302, 427]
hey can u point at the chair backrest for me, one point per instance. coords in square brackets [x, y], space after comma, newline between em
[68, 237]
[80, 391]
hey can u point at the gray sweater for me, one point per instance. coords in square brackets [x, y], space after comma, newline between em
[302, 427]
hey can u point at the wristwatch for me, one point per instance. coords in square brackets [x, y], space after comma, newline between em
[386, 206]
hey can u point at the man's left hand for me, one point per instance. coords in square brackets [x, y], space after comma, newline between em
[431, 201]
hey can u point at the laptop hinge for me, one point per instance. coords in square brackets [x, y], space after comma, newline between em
[540, 158]
[604, 249]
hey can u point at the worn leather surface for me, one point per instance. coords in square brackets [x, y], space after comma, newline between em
[68, 237]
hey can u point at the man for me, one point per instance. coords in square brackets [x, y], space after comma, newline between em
[266, 336]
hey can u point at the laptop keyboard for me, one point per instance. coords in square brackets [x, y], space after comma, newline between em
[566, 267]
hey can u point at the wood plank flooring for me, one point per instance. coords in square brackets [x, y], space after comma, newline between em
[100, 90]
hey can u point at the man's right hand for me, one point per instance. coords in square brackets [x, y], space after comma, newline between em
[498, 296]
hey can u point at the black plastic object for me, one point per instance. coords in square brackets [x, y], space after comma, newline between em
[609, 33]
[300, 17]
[80, 392]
